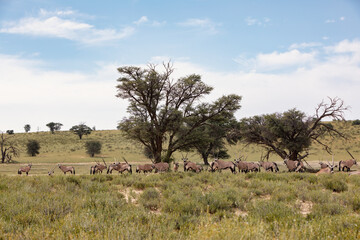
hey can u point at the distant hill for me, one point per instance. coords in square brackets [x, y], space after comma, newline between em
[64, 146]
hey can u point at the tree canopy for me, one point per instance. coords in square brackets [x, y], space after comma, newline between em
[81, 130]
[54, 126]
[164, 113]
[291, 133]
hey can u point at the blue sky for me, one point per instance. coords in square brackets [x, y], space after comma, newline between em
[58, 59]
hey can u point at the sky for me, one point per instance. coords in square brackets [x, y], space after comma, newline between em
[59, 59]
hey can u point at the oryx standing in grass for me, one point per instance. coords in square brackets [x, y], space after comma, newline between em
[293, 165]
[222, 165]
[347, 164]
[120, 167]
[66, 169]
[25, 169]
[98, 167]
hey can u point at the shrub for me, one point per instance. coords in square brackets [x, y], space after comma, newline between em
[320, 210]
[33, 147]
[271, 211]
[93, 147]
[356, 122]
[150, 199]
[336, 185]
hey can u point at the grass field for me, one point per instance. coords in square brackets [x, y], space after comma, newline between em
[181, 206]
[173, 205]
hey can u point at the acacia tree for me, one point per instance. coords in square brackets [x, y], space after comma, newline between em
[163, 111]
[291, 133]
[54, 126]
[81, 130]
[214, 134]
[27, 127]
[8, 148]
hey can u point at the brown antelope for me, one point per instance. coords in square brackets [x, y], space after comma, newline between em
[185, 160]
[98, 167]
[241, 164]
[66, 169]
[293, 165]
[145, 168]
[354, 173]
[161, 167]
[120, 167]
[194, 167]
[323, 165]
[221, 165]
[328, 169]
[25, 169]
[176, 167]
[347, 164]
[269, 166]
[253, 167]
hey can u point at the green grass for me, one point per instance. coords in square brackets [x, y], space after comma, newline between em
[179, 206]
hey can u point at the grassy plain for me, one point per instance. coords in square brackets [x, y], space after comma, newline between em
[181, 206]
[173, 205]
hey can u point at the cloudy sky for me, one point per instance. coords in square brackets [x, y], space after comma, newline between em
[58, 59]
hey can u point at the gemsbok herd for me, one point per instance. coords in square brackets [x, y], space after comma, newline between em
[217, 165]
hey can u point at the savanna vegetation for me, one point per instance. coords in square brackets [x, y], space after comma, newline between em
[181, 206]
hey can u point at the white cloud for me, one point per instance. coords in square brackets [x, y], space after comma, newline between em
[342, 18]
[250, 21]
[305, 45]
[330, 21]
[205, 24]
[59, 27]
[142, 20]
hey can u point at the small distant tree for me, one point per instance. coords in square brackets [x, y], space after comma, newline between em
[27, 127]
[93, 147]
[10, 132]
[81, 130]
[356, 122]
[8, 148]
[54, 126]
[33, 147]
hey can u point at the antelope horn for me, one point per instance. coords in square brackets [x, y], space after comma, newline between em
[104, 161]
[125, 160]
[350, 154]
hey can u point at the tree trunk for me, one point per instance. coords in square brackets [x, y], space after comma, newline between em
[205, 158]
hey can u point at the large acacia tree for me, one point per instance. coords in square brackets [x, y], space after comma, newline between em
[291, 133]
[165, 113]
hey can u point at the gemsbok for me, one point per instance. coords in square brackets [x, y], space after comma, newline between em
[219, 165]
[25, 169]
[98, 167]
[293, 165]
[328, 169]
[145, 168]
[161, 167]
[66, 169]
[347, 164]
[269, 166]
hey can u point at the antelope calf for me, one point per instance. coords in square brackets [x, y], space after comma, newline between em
[25, 169]
[176, 167]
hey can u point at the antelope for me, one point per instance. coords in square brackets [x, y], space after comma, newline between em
[242, 166]
[220, 165]
[176, 167]
[66, 169]
[25, 169]
[145, 168]
[347, 164]
[253, 167]
[293, 165]
[269, 166]
[185, 160]
[354, 173]
[120, 167]
[328, 169]
[98, 167]
[323, 165]
[161, 167]
[51, 172]
[194, 167]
